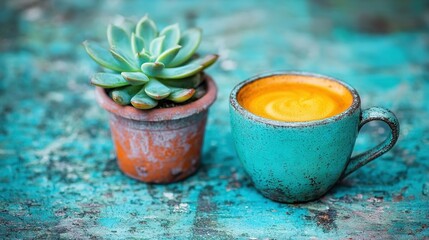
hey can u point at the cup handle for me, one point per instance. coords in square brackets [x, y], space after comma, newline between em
[374, 114]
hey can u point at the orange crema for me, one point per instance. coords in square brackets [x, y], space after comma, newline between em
[294, 98]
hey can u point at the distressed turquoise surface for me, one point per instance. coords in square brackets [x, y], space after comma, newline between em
[59, 178]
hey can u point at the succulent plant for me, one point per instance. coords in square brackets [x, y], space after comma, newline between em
[148, 66]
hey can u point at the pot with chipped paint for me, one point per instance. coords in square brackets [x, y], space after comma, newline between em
[301, 161]
[160, 145]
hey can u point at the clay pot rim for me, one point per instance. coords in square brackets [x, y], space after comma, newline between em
[159, 114]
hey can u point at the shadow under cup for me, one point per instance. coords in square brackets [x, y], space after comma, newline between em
[300, 160]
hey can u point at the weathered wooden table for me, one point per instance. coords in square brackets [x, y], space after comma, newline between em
[59, 177]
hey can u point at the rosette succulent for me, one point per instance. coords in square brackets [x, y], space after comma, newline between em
[148, 66]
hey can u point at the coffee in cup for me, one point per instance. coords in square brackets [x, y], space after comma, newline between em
[295, 98]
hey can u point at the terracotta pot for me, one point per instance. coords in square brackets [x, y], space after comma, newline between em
[159, 145]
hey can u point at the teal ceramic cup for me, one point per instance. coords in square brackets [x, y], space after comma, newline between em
[301, 161]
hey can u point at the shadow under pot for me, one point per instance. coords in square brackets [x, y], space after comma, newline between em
[159, 145]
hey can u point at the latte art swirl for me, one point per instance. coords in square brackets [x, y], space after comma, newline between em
[294, 105]
[293, 102]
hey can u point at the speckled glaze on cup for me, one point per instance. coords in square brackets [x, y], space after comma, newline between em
[301, 161]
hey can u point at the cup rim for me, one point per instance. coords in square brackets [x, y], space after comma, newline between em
[247, 114]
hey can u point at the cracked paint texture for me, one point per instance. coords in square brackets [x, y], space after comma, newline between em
[59, 177]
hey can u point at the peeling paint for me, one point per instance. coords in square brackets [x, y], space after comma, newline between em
[59, 178]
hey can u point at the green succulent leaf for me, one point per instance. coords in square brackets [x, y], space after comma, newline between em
[142, 101]
[103, 57]
[188, 82]
[172, 36]
[146, 29]
[143, 57]
[178, 72]
[118, 39]
[128, 25]
[152, 68]
[137, 43]
[124, 60]
[156, 46]
[189, 41]
[123, 95]
[207, 60]
[156, 89]
[184, 71]
[108, 80]
[135, 78]
[179, 95]
[167, 56]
